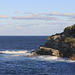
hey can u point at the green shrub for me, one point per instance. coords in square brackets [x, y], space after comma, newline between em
[70, 30]
[69, 39]
[67, 28]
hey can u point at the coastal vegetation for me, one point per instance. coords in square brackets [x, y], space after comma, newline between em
[70, 30]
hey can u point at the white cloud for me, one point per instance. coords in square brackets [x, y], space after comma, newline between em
[55, 13]
[36, 14]
[68, 14]
[27, 12]
[54, 16]
[3, 16]
[35, 18]
[58, 14]
[56, 23]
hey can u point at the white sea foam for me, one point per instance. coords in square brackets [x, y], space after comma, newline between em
[14, 52]
[25, 53]
[50, 58]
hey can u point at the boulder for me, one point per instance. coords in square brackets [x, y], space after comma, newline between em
[47, 51]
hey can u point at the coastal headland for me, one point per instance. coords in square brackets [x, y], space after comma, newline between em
[61, 44]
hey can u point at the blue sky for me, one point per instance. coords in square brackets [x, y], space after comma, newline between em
[35, 17]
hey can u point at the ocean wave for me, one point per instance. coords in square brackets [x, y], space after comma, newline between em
[14, 52]
[47, 58]
[26, 53]
[51, 58]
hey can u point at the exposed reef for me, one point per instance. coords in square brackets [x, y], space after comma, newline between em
[62, 45]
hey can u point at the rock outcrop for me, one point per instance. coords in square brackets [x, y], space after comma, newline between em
[62, 45]
[47, 51]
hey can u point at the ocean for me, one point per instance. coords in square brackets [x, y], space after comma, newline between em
[14, 60]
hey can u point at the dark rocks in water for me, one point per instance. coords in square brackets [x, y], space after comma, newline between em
[73, 57]
[62, 44]
[32, 51]
[47, 51]
[32, 55]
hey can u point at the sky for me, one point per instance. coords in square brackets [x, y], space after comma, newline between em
[35, 17]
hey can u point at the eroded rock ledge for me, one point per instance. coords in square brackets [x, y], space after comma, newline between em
[62, 45]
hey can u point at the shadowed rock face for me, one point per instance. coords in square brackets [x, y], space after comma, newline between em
[70, 30]
[62, 44]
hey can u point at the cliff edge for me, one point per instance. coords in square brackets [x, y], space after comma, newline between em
[62, 45]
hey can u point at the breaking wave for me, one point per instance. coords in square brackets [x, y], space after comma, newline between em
[14, 52]
[51, 59]
[25, 53]
[47, 58]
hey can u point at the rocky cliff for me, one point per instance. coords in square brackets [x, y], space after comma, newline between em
[62, 45]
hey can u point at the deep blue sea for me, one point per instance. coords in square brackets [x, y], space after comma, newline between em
[14, 60]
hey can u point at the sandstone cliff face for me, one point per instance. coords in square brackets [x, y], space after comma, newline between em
[62, 44]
